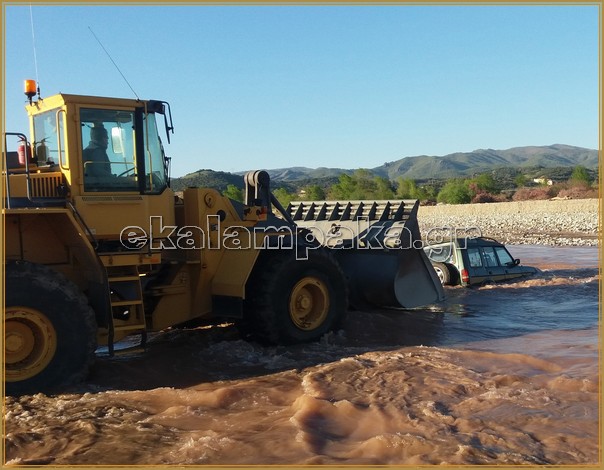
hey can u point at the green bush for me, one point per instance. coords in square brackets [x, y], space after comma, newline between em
[580, 177]
[455, 192]
[362, 184]
[233, 192]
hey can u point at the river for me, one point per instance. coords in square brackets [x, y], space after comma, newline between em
[501, 374]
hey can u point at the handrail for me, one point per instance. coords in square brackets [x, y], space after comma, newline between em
[95, 242]
[5, 166]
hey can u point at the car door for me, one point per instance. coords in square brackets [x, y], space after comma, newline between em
[474, 264]
[495, 271]
[511, 268]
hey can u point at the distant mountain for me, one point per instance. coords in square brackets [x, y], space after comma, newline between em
[299, 176]
[478, 161]
[423, 167]
[297, 173]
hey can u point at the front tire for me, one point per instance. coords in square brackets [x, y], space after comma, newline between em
[50, 330]
[295, 301]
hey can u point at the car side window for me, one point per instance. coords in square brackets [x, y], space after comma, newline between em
[489, 256]
[474, 257]
[504, 257]
[440, 254]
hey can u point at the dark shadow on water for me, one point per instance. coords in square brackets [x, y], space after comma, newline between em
[182, 358]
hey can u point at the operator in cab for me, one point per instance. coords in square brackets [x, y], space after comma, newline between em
[96, 161]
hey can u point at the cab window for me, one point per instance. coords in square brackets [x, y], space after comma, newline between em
[155, 171]
[108, 150]
[110, 144]
[49, 137]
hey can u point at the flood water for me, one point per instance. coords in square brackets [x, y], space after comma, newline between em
[501, 374]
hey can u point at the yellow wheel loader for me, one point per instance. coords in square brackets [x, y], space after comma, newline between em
[98, 247]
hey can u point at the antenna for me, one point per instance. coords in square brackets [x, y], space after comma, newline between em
[113, 62]
[33, 41]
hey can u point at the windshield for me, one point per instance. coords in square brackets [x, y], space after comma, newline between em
[109, 152]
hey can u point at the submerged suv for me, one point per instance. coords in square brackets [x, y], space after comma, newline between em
[472, 261]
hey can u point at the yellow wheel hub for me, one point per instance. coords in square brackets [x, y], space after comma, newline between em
[309, 303]
[30, 343]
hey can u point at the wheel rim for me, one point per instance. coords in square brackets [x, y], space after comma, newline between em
[309, 303]
[30, 342]
[440, 274]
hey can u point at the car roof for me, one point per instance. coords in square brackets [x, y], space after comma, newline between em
[468, 242]
[480, 241]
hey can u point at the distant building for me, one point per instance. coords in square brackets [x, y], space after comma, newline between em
[543, 180]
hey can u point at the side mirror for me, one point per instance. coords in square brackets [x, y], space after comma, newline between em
[516, 262]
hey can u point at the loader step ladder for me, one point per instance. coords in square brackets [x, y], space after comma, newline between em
[127, 309]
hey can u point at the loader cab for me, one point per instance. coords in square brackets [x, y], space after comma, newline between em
[113, 159]
[101, 156]
[102, 145]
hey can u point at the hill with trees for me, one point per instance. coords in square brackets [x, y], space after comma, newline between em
[206, 179]
[479, 161]
[479, 176]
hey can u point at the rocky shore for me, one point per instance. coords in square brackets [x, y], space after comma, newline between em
[572, 222]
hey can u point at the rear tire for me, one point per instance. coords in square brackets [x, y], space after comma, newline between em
[446, 273]
[295, 301]
[50, 330]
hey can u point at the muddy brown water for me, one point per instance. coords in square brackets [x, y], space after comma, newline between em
[502, 374]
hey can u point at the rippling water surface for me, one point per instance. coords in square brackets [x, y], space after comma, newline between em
[502, 374]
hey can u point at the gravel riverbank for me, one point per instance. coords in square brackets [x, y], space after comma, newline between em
[572, 222]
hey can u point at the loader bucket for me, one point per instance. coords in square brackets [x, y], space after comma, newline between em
[379, 247]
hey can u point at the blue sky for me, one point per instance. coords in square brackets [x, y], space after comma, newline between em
[337, 86]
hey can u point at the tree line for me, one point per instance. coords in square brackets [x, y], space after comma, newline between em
[485, 187]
